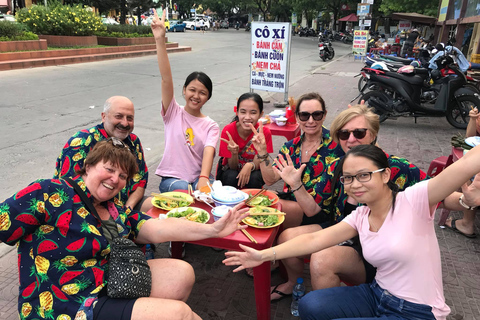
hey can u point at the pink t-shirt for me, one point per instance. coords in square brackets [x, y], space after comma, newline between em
[405, 250]
[186, 137]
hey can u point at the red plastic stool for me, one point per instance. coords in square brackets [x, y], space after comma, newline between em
[437, 166]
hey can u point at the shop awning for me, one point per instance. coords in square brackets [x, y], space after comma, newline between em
[351, 17]
[414, 17]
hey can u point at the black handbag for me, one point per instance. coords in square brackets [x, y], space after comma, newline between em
[129, 275]
[222, 168]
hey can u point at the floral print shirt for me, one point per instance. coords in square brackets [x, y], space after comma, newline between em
[76, 149]
[62, 253]
[404, 174]
[326, 153]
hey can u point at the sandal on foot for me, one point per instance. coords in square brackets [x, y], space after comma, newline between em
[280, 293]
[454, 228]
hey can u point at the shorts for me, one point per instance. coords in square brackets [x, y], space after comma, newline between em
[370, 271]
[113, 309]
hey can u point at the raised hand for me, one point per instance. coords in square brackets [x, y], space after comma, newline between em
[258, 139]
[473, 114]
[158, 25]
[248, 259]
[230, 222]
[289, 174]
[232, 146]
[244, 175]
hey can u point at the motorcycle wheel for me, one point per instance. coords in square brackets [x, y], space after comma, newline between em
[344, 40]
[361, 83]
[457, 112]
[380, 96]
[332, 54]
[322, 56]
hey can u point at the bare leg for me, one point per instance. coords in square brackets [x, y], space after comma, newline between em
[466, 224]
[294, 266]
[172, 282]
[294, 213]
[339, 263]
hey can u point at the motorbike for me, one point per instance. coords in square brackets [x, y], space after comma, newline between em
[248, 27]
[396, 94]
[347, 37]
[307, 32]
[325, 49]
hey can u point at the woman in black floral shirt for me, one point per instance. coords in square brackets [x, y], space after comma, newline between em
[312, 152]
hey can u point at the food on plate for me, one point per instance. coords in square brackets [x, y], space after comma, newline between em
[260, 200]
[192, 214]
[171, 200]
[263, 216]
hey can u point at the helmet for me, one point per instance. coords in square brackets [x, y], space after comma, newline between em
[436, 74]
[415, 64]
[379, 66]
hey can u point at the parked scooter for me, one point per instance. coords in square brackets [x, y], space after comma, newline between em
[325, 49]
[405, 95]
[347, 37]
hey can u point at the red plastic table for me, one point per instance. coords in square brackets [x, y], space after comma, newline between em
[289, 131]
[261, 274]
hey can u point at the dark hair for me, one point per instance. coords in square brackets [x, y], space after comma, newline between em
[105, 151]
[310, 96]
[379, 158]
[203, 78]
[249, 96]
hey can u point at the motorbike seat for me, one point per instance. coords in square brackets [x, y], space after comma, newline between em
[411, 78]
[397, 59]
[421, 71]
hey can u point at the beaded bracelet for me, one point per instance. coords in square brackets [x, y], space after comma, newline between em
[274, 256]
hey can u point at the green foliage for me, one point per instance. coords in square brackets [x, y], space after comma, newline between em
[12, 31]
[122, 35]
[427, 7]
[57, 19]
[126, 28]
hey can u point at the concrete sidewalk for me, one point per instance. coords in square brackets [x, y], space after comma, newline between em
[221, 294]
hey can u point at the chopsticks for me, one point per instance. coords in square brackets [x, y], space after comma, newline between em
[190, 189]
[255, 195]
[161, 196]
[248, 235]
[272, 213]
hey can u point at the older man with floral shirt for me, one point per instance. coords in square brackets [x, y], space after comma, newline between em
[117, 121]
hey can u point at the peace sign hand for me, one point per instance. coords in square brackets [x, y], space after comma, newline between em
[258, 139]
[231, 145]
[158, 26]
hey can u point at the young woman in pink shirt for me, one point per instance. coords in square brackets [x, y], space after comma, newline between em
[397, 233]
[190, 136]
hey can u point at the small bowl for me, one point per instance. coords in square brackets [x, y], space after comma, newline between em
[220, 211]
[228, 204]
[281, 121]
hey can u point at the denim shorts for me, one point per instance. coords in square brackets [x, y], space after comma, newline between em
[366, 301]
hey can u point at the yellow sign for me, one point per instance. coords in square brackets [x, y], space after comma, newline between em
[443, 11]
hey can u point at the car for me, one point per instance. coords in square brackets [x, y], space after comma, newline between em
[224, 24]
[177, 26]
[7, 17]
[194, 23]
[109, 21]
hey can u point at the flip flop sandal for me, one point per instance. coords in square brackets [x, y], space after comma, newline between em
[280, 293]
[454, 228]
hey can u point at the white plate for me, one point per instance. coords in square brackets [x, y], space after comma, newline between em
[473, 141]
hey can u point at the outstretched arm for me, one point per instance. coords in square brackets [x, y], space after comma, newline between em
[298, 246]
[158, 29]
[454, 176]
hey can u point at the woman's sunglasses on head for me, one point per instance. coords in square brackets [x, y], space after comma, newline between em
[118, 143]
[357, 133]
[316, 115]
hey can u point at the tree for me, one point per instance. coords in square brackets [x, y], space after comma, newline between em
[427, 7]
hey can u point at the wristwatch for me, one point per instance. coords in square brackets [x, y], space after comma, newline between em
[463, 204]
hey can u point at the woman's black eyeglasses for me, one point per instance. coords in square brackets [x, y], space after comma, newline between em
[361, 177]
[357, 133]
[118, 143]
[316, 115]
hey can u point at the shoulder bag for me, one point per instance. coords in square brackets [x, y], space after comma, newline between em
[129, 275]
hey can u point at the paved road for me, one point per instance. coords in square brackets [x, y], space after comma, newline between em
[42, 107]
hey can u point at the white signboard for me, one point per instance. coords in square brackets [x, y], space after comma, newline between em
[367, 23]
[270, 55]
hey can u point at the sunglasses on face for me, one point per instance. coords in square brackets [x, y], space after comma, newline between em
[357, 133]
[316, 115]
[361, 177]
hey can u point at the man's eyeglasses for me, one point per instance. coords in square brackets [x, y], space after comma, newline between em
[316, 115]
[361, 177]
[357, 133]
[118, 143]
